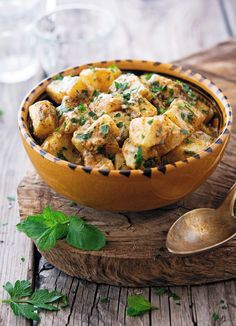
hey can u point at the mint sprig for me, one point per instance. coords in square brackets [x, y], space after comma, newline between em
[24, 302]
[49, 226]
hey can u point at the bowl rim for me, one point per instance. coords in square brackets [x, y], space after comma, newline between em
[178, 71]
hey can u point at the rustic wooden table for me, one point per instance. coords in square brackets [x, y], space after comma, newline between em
[159, 30]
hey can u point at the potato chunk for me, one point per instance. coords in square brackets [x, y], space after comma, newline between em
[71, 86]
[137, 157]
[106, 103]
[98, 161]
[152, 131]
[44, 118]
[161, 86]
[205, 109]
[74, 115]
[122, 121]
[139, 106]
[99, 137]
[99, 79]
[61, 146]
[130, 83]
[120, 162]
[190, 146]
[185, 116]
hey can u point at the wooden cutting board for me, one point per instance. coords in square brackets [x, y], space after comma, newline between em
[135, 254]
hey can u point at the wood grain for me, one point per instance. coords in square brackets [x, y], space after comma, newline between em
[200, 302]
[200, 31]
[132, 256]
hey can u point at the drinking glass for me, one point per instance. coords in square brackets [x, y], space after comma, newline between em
[72, 35]
[17, 42]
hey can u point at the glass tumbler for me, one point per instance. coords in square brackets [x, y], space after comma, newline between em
[17, 41]
[70, 36]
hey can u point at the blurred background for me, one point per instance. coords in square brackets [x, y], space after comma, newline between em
[50, 35]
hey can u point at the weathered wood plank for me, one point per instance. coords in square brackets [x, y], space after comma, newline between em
[14, 168]
[16, 251]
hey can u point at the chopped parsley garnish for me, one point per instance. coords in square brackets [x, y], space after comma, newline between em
[126, 97]
[100, 149]
[190, 117]
[182, 114]
[120, 124]
[171, 92]
[161, 110]
[111, 157]
[92, 115]
[104, 129]
[82, 120]
[187, 141]
[169, 100]
[191, 94]
[113, 68]
[74, 120]
[58, 77]
[81, 107]
[149, 162]
[95, 93]
[150, 121]
[148, 75]
[61, 155]
[156, 88]
[85, 136]
[138, 158]
[63, 109]
[121, 86]
[187, 152]
[184, 131]
[117, 115]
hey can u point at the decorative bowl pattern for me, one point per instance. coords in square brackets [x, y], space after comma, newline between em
[129, 190]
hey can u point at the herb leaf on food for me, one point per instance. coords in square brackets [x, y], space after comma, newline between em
[138, 158]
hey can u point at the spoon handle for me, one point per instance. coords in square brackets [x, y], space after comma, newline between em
[228, 203]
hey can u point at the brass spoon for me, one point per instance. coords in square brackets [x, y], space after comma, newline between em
[203, 228]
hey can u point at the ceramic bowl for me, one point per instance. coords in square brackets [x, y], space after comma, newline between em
[134, 190]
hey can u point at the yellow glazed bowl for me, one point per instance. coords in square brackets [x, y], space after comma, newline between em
[126, 190]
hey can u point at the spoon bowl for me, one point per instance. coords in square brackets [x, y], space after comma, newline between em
[203, 228]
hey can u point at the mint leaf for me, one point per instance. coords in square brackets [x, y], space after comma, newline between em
[24, 302]
[46, 228]
[49, 226]
[138, 305]
[84, 236]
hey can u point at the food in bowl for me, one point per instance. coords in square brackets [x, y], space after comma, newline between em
[117, 120]
[126, 189]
